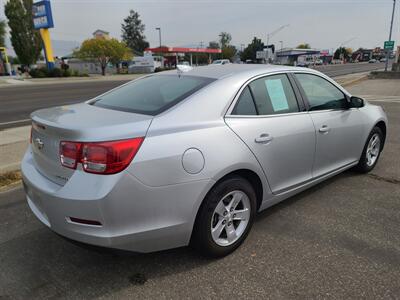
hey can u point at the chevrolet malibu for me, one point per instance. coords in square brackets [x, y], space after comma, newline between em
[181, 158]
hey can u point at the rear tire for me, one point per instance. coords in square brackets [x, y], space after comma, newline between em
[371, 152]
[225, 217]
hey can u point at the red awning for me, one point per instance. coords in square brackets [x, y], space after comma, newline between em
[182, 50]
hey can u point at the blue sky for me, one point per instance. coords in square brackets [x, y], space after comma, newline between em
[324, 24]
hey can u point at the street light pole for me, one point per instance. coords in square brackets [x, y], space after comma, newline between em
[390, 36]
[159, 36]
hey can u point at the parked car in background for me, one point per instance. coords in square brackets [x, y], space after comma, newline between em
[318, 62]
[221, 62]
[173, 159]
[383, 59]
[373, 60]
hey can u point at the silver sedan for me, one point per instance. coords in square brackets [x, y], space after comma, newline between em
[181, 158]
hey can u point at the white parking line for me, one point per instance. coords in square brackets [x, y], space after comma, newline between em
[377, 98]
[14, 122]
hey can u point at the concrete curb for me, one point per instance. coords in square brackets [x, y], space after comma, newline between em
[49, 81]
[354, 81]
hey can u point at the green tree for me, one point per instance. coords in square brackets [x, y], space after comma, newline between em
[250, 51]
[25, 39]
[104, 51]
[224, 39]
[229, 52]
[2, 33]
[304, 46]
[132, 32]
[343, 53]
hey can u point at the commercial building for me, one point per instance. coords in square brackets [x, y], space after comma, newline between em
[296, 56]
[171, 54]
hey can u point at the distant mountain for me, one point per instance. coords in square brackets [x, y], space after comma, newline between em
[60, 47]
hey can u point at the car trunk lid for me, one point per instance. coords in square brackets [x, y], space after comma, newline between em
[81, 122]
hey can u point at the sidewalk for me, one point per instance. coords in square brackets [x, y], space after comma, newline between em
[13, 144]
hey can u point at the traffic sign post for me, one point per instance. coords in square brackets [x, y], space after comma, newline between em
[43, 20]
[390, 37]
[388, 45]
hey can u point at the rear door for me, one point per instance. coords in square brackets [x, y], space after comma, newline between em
[338, 129]
[268, 116]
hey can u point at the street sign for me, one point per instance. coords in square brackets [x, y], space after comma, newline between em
[389, 45]
[42, 17]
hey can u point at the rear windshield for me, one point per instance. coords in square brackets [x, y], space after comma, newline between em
[152, 95]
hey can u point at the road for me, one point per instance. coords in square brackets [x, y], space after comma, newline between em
[338, 240]
[17, 102]
[339, 70]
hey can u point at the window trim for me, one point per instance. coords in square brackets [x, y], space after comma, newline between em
[296, 92]
[305, 98]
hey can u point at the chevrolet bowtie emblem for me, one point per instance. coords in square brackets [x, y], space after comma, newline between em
[39, 144]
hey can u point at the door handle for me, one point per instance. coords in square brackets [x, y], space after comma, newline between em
[324, 129]
[263, 139]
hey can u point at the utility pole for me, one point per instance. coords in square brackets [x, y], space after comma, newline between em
[390, 36]
[197, 54]
[241, 47]
[220, 35]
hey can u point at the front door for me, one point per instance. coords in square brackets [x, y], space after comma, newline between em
[339, 129]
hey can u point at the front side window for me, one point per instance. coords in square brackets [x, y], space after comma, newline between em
[152, 95]
[321, 94]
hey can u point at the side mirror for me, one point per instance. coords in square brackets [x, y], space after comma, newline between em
[356, 102]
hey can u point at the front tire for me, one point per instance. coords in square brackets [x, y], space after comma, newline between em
[371, 152]
[225, 217]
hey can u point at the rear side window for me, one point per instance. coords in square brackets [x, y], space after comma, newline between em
[269, 95]
[245, 104]
[321, 94]
[274, 95]
[152, 95]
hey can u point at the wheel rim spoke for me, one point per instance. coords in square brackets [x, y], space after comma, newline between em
[230, 233]
[235, 200]
[217, 230]
[220, 209]
[241, 215]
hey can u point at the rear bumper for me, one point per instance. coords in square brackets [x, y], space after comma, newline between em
[133, 216]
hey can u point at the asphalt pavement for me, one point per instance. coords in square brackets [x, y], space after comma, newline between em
[339, 70]
[338, 240]
[18, 101]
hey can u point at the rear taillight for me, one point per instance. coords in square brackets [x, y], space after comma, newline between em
[70, 154]
[99, 157]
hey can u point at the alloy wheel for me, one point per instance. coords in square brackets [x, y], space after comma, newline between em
[373, 148]
[230, 218]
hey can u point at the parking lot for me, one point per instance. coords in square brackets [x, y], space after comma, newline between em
[340, 239]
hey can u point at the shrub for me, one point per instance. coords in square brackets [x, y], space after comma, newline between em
[39, 73]
[67, 73]
[56, 72]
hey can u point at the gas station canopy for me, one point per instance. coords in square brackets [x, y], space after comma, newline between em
[183, 50]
